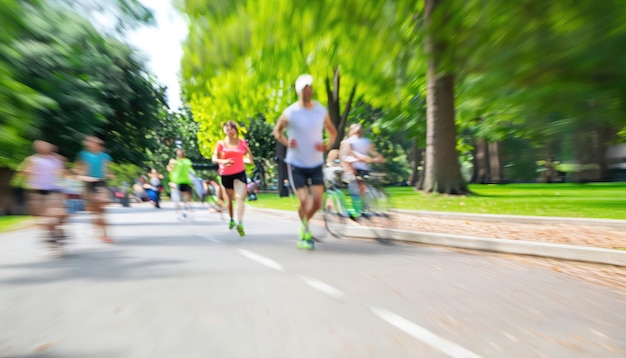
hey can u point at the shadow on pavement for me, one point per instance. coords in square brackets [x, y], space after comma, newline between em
[159, 241]
[106, 265]
[58, 355]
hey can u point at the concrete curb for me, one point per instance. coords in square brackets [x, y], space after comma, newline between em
[542, 249]
[533, 248]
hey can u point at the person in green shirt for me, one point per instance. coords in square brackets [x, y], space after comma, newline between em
[179, 175]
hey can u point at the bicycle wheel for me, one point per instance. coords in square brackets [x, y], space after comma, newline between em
[378, 213]
[335, 213]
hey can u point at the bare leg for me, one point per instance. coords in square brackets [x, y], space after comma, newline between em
[303, 199]
[100, 222]
[240, 196]
[230, 195]
[317, 192]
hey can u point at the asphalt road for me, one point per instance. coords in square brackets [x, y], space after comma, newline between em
[193, 288]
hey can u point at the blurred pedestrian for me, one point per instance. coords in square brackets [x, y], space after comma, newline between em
[180, 175]
[46, 199]
[154, 187]
[93, 165]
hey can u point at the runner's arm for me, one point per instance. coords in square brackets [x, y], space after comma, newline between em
[26, 168]
[249, 155]
[375, 155]
[279, 130]
[216, 154]
[331, 133]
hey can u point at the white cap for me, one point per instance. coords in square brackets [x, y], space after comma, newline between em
[303, 81]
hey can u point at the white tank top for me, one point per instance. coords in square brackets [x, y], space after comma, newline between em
[306, 126]
[361, 146]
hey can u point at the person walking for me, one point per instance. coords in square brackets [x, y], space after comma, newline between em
[305, 122]
[93, 165]
[231, 154]
[153, 189]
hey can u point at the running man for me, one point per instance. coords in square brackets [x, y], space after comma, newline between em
[93, 165]
[231, 154]
[305, 122]
[180, 176]
[43, 171]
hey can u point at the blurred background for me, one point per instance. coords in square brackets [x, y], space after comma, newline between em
[520, 91]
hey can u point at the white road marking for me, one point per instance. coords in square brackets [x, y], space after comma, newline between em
[261, 259]
[323, 287]
[441, 344]
[207, 237]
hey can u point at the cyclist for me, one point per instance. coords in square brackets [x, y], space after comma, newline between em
[305, 122]
[358, 152]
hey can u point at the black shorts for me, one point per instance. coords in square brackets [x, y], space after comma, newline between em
[93, 185]
[184, 188]
[362, 173]
[228, 181]
[301, 177]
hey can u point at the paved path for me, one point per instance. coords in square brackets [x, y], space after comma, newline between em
[195, 289]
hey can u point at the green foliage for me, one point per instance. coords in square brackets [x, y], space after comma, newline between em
[173, 127]
[62, 79]
[543, 71]
[125, 173]
[18, 102]
[227, 40]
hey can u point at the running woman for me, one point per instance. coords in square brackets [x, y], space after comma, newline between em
[305, 122]
[231, 154]
[93, 164]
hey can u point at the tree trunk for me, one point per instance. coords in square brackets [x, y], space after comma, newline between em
[283, 172]
[495, 166]
[419, 185]
[601, 149]
[12, 200]
[586, 155]
[443, 171]
[416, 161]
[338, 119]
[481, 167]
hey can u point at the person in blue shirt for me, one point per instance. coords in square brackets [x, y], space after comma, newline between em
[93, 165]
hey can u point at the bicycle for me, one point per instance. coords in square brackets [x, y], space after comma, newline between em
[376, 211]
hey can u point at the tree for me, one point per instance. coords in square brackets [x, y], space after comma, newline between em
[18, 102]
[228, 39]
[442, 173]
[94, 85]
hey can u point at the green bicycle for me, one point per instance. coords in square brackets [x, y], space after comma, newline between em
[376, 212]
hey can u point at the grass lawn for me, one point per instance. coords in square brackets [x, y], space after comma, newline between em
[596, 200]
[11, 222]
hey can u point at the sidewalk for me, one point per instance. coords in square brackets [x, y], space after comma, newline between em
[519, 219]
[588, 240]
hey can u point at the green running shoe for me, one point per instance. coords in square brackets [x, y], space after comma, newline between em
[240, 229]
[231, 224]
[306, 244]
